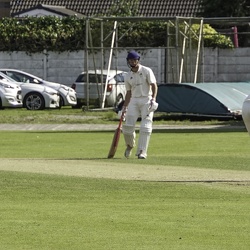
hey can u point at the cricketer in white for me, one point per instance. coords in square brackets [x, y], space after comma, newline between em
[140, 101]
[246, 113]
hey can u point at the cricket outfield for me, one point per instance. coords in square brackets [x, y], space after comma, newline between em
[59, 190]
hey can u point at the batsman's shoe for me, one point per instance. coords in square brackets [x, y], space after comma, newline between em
[142, 156]
[127, 152]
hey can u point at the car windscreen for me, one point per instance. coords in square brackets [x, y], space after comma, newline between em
[19, 77]
[92, 78]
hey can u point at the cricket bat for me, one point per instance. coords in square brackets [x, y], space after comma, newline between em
[115, 141]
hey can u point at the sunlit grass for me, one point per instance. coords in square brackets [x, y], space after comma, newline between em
[54, 212]
[219, 150]
[42, 211]
[69, 115]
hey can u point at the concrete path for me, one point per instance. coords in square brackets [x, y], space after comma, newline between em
[105, 127]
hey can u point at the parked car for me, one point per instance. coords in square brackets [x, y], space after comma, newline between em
[36, 97]
[10, 95]
[67, 94]
[115, 92]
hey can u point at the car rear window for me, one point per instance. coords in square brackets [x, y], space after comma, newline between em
[119, 78]
[92, 78]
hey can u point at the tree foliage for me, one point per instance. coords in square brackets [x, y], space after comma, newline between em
[229, 8]
[124, 8]
[212, 38]
[222, 8]
[36, 34]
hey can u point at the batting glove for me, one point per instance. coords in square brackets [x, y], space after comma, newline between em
[153, 106]
[122, 113]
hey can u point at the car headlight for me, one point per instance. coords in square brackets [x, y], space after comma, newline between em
[50, 91]
[65, 88]
[7, 86]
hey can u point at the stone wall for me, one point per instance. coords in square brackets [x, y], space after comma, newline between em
[214, 65]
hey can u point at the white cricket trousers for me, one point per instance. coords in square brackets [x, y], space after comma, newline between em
[138, 107]
[246, 113]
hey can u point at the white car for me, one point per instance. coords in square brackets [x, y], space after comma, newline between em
[10, 95]
[36, 97]
[115, 91]
[67, 94]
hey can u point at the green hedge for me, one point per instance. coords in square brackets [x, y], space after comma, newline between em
[35, 34]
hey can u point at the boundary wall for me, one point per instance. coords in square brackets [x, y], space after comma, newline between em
[215, 65]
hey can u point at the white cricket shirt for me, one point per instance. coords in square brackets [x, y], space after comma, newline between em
[139, 82]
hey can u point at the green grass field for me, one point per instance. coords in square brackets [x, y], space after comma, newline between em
[218, 150]
[59, 191]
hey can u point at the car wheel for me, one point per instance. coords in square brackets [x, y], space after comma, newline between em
[78, 105]
[61, 102]
[34, 101]
[119, 103]
[119, 99]
[1, 105]
[118, 107]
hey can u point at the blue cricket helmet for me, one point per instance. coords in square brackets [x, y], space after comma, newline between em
[133, 55]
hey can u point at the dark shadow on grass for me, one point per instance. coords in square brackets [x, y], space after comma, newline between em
[200, 130]
[155, 130]
[202, 181]
[66, 131]
[83, 159]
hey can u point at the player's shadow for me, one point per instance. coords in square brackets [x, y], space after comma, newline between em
[87, 159]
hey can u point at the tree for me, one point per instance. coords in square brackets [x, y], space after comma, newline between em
[222, 8]
[124, 8]
[229, 8]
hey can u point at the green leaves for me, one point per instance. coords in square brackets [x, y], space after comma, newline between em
[212, 38]
[34, 34]
[221, 8]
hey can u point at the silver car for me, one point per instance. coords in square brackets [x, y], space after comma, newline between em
[35, 97]
[67, 94]
[10, 95]
[115, 90]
